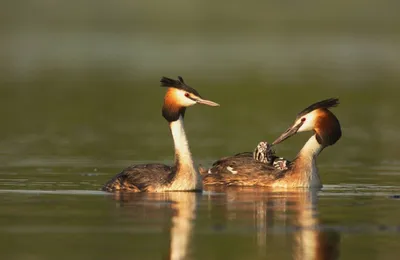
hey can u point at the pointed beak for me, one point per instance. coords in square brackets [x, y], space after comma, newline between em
[206, 102]
[288, 133]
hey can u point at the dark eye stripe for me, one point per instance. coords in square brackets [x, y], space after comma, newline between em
[188, 96]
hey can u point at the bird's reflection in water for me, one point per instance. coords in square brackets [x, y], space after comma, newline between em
[183, 205]
[294, 212]
[311, 240]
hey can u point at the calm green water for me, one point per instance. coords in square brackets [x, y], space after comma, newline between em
[80, 100]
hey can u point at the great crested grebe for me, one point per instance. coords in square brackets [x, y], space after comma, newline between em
[243, 170]
[183, 176]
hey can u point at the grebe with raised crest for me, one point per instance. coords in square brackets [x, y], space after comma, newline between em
[244, 170]
[155, 177]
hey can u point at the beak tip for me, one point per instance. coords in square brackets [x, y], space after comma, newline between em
[208, 103]
[275, 142]
[288, 133]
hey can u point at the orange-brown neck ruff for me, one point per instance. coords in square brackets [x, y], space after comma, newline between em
[172, 109]
[327, 128]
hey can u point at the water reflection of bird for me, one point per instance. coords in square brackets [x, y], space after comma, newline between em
[295, 213]
[183, 205]
[243, 170]
[310, 240]
[159, 177]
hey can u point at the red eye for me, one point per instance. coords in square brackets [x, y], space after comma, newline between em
[303, 119]
[187, 95]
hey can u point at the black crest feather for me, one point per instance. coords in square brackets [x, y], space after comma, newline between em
[179, 84]
[168, 82]
[327, 103]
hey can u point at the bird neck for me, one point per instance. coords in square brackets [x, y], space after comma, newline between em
[187, 177]
[305, 163]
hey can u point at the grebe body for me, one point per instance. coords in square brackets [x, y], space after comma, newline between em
[245, 170]
[183, 176]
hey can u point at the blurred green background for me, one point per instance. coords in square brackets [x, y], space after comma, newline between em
[79, 82]
[80, 100]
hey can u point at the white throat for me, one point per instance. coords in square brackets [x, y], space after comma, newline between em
[307, 156]
[312, 148]
[187, 177]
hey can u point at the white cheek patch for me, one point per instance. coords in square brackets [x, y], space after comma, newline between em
[229, 168]
[308, 125]
[183, 100]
